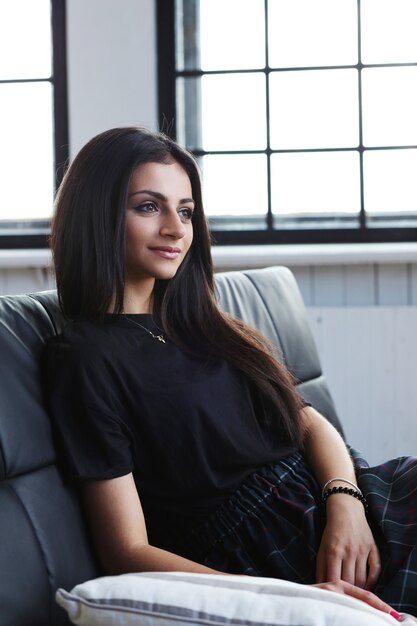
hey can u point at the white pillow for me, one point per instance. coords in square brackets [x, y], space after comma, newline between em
[183, 599]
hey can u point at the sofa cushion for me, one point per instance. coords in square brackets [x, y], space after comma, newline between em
[172, 598]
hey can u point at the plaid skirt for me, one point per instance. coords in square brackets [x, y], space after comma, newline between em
[272, 526]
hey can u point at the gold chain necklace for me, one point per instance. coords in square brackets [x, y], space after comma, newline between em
[158, 337]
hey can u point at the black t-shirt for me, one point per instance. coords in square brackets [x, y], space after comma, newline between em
[184, 425]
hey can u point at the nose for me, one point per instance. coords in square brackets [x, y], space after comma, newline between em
[172, 226]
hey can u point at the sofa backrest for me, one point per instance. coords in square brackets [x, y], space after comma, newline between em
[44, 540]
[270, 300]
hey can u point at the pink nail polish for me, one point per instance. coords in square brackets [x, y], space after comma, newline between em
[395, 614]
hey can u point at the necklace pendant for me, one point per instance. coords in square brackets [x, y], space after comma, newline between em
[158, 337]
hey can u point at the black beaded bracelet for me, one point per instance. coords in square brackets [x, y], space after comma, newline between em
[350, 492]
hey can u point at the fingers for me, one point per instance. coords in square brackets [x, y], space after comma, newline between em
[358, 566]
[329, 566]
[361, 574]
[336, 565]
[361, 571]
[350, 567]
[341, 586]
[374, 562]
[368, 597]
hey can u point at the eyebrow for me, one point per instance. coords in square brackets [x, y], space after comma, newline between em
[159, 196]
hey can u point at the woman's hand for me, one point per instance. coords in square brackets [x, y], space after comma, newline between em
[340, 586]
[347, 550]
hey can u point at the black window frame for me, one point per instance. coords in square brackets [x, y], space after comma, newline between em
[34, 235]
[342, 232]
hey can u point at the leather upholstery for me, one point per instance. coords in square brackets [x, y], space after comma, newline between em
[270, 300]
[44, 541]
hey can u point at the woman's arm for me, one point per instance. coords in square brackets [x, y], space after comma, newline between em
[347, 550]
[119, 532]
[118, 527]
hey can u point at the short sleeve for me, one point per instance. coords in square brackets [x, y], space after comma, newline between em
[93, 441]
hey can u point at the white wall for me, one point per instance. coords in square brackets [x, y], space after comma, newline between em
[369, 356]
[364, 320]
[363, 315]
[111, 56]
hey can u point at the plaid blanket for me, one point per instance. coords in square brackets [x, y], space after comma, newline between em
[273, 524]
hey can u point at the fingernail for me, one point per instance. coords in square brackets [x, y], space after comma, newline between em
[395, 614]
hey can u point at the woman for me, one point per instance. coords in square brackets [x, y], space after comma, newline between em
[192, 446]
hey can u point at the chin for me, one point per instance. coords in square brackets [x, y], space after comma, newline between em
[166, 274]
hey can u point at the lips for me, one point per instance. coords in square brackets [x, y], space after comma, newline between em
[166, 252]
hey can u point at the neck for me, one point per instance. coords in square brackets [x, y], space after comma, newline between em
[138, 299]
[130, 306]
[134, 305]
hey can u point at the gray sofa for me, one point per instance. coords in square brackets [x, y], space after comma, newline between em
[44, 540]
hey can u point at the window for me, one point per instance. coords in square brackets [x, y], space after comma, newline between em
[300, 112]
[33, 117]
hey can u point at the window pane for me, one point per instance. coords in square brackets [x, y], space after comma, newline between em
[314, 109]
[26, 156]
[233, 112]
[187, 35]
[303, 33]
[232, 34]
[389, 31]
[188, 109]
[389, 106]
[390, 181]
[25, 39]
[235, 184]
[315, 183]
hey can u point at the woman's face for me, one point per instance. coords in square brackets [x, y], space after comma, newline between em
[159, 230]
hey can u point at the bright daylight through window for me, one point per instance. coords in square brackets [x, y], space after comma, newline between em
[302, 115]
[29, 115]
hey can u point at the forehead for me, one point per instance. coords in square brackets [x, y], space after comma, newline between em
[162, 177]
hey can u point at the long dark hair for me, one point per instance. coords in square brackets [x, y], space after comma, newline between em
[88, 245]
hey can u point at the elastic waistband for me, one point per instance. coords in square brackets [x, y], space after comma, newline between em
[254, 493]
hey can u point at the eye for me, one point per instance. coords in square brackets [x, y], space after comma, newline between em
[186, 213]
[146, 207]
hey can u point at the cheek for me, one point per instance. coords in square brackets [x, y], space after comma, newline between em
[135, 233]
[131, 241]
[190, 237]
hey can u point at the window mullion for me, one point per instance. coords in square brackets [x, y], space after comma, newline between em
[362, 214]
[269, 217]
[60, 87]
[192, 86]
